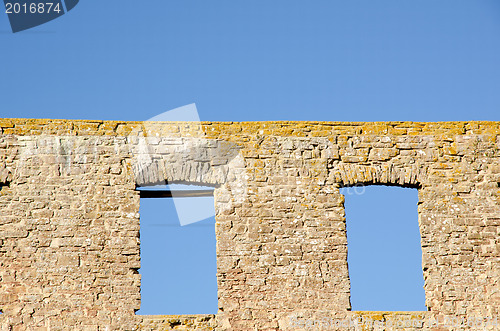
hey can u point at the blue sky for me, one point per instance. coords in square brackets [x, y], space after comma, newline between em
[255, 61]
[258, 60]
[384, 254]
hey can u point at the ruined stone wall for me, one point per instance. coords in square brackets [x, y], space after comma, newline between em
[69, 216]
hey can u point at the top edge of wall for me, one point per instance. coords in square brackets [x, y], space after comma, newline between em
[23, 126]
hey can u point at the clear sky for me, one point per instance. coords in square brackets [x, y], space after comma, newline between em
[254, 60]
[384, 253]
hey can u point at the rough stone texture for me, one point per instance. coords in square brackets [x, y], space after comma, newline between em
[178, 322]
[69, 221]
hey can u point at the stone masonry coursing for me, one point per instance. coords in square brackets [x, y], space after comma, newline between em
[69, 220]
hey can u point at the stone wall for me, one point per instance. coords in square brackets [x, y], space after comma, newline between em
[69, 221]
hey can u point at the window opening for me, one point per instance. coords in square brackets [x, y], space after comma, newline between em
[178, 256]
[384, 249]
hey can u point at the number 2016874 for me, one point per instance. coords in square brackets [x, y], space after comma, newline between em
[32, 8]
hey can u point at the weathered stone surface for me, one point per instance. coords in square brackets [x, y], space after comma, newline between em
[69, 217]
[177, 322]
